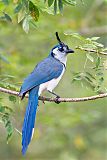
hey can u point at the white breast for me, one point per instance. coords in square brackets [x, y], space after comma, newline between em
[50, 85]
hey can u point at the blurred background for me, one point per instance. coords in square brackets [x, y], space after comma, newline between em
[68, 131]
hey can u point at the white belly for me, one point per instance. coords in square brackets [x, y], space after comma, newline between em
[50, 85]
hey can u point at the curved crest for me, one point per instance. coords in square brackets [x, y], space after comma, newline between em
[57, 36]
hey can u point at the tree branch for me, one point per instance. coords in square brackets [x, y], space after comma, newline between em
[60, 99]
[100, 30]
[91, 50]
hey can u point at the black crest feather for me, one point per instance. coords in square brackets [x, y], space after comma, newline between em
[57, 36]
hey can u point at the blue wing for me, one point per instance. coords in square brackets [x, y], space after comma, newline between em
[46, 70]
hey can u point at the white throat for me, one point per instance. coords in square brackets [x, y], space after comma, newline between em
[61, 56]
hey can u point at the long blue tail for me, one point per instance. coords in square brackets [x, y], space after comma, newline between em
[29, 119]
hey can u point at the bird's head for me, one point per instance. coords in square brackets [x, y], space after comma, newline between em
[61, 50]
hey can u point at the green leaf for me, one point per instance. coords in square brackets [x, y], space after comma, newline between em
[12, 98]
[90, 57]
[99, 74]
[98, 62]
[8, 109]
[9, 86]
[70, 2]
[75, 35]
[2, 108]
[98, 44]
[26, 25]
[89, 46]
[104, 49]
[26, 4]
[50, 2]
[95, 38]
[89, 74]
[78, 78]
[18, 8]
[60, 4]
[55, 6]
[7, 17]
[101, 79]
[34, 12]
[88, 79]
[8, 125]
[7, 76]
[21, 15]
[5, 109]
[76, 73]
[97, 88]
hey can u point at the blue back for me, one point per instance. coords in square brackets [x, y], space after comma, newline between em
[46, 70]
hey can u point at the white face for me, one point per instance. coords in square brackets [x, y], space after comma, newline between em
[60, 54]
[57, 54]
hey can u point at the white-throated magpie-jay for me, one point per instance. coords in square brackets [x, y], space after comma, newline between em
[45, 76]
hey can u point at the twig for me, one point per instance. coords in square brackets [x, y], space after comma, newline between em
[60, 99]
[91, 50]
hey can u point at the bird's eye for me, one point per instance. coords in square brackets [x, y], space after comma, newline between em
[61, 49]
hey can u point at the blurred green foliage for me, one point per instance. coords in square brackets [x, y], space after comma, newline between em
[71, 131]
[27, 12]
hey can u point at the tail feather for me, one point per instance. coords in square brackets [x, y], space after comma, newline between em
[29, 120]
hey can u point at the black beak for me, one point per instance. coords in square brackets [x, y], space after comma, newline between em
[70, 51]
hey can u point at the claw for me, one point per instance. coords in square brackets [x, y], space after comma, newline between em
[57, 100]
[43, 101]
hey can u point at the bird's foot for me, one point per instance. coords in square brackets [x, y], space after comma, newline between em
[57, 100]
[43, 101]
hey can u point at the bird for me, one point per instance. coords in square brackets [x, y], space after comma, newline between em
[45, 76]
